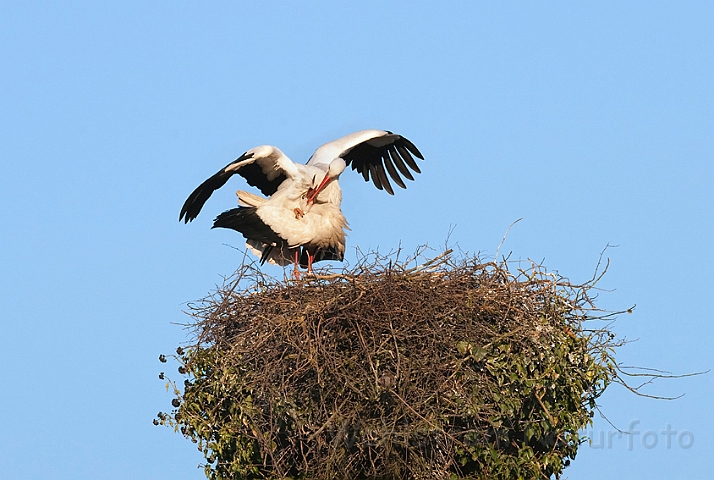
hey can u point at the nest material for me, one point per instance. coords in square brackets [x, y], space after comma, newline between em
[456, 370]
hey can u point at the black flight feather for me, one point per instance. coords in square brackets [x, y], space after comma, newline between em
[246, 221]
[194, 203]
[371, 158]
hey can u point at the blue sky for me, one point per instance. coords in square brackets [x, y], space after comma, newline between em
[595, 124]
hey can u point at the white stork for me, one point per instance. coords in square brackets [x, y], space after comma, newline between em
[301, 220]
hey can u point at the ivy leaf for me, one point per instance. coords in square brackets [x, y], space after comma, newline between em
[479, 354]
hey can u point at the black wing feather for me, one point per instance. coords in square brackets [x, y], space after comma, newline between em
[412, 148]
[194, 203]
[253, 174]
[392, 171]
[375, 177]
[365, 174]
[246, 221]
[408, 158]
[373, 156]
[399, 162]
[383, 178]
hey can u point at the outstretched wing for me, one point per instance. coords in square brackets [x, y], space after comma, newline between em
[376, 154]
[263, 167]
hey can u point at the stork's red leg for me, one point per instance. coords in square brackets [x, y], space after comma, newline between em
[296, 263]
[310, 258]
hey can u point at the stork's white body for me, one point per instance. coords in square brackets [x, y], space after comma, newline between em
[322, 224]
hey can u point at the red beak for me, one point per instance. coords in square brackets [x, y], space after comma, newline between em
[312, 194]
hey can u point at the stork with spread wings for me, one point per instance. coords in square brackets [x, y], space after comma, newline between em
[300, 221]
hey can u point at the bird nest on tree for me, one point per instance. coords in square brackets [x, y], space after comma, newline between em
[451, 369]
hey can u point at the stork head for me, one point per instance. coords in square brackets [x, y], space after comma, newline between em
[337, 166]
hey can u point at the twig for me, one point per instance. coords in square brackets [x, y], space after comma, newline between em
[504, 237]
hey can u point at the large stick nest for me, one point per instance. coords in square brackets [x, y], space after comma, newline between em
[452, 369]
